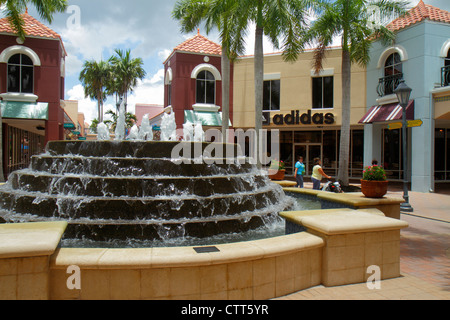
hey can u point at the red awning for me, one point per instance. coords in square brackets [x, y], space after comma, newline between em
[388, 112]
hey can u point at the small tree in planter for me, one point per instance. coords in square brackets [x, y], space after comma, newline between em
[374, 183]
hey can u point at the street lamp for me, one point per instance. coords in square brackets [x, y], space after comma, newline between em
[403, 92]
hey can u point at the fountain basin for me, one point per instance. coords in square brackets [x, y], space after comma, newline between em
[142, 190]
[336, 249]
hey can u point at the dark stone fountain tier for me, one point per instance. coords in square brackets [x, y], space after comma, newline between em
[135, 189]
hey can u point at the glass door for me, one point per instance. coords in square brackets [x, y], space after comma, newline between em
[308, 152]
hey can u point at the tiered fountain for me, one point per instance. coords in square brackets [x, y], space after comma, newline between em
[135, 189]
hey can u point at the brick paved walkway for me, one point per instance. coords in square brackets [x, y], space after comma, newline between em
[424, 258]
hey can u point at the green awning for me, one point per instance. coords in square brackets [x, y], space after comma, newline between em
[209, 119]
[69, 126]
[24, 110]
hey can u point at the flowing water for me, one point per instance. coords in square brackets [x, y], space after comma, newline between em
[132, 193]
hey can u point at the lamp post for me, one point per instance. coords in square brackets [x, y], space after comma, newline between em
[403, 92]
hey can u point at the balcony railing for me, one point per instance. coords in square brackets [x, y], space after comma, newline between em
[388, 84]
[445, 76]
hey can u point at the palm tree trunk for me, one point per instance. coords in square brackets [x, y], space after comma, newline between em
[225, 94]
[344, 149]
[100, 113]
[2, 175]
[259, 82]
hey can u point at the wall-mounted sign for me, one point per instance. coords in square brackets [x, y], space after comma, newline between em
[295, 118]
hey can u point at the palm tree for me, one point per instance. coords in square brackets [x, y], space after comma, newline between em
[278, 20]
[215, 14]
[94, 77]
[130, 120]
[126, 72]
[274, 18]
[14, 9]
[349, 19]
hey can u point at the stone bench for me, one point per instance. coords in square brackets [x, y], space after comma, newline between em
[354, 241]
[355, 200]
[25, 251]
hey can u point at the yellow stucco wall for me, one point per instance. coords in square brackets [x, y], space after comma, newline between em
[442, 106]
[296, 87]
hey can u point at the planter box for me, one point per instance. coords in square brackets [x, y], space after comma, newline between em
[374, 189]
[276, 174]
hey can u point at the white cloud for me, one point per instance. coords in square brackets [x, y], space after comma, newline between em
[148, 91]
[85, 105]
[164, 54]
[73, 66]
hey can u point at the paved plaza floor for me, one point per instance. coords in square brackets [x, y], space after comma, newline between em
[424, 257]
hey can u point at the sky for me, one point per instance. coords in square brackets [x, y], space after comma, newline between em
[93, 29]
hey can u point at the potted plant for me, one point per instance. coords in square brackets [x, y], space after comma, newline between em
[374, 183]
[277, 170]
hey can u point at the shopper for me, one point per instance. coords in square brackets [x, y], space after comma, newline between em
[318, 174]
[299, 172]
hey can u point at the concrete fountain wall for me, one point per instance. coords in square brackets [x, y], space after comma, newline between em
[337, 248]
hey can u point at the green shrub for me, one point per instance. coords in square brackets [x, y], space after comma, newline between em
[374, 173]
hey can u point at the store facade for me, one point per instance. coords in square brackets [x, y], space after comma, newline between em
[420, 57]
[305, 107]
[193, 83]
[32, 75]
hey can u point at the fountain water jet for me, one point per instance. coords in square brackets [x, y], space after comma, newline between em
[120, 125]
[103, 132]
[146, 131]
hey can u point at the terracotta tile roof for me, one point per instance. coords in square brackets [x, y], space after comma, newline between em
[420, 12]
[32, 28]
[199, 44]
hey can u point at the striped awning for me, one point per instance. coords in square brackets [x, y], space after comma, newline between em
[388, 112]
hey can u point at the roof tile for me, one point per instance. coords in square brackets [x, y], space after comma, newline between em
[199, 44]
[32, 28]
[420, 12]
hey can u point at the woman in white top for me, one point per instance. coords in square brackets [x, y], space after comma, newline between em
[318, 174]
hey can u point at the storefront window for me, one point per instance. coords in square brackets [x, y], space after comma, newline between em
[325, 145]
[393, 73]
[308, 137]
[206, 88]
[286, 150]
[330, 148]
[441, 162]
[20, 74]
[445, 73]
[392, 154]
[447, 154]
[357, 153]
[271, 96]
[322, 92]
